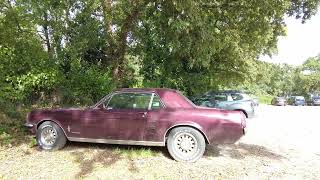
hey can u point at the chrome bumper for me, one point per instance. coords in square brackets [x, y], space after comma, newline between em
[28, 125]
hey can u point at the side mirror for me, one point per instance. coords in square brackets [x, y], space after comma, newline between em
[109, 108]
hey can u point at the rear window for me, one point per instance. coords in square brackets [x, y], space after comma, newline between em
[221, 97]
[280, 98]
[299, 98]
[175, 99]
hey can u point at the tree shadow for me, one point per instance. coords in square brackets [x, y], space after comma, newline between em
[241, 150]
[106, 158]
[107, 155]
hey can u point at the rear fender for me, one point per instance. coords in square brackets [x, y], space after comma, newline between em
[187, 124]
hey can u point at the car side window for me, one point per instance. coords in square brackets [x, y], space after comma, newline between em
[156, 103]
[236, 97]
[130, 101]
[220, 97]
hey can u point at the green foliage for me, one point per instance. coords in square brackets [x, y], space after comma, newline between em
[74, 52]
[265, 99]
[310, 76]
[85, 85]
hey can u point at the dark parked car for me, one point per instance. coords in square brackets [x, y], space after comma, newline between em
[279, 101]
[296, 101]
[153, 117]
[315, 101]
[229, 100]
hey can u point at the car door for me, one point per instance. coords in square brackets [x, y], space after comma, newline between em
[99, 123]
[154, 131]
[130, 111]
[220, 101]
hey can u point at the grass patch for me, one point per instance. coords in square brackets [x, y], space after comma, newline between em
[135, 152]
[265, 99]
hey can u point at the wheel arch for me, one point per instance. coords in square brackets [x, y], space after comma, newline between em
[243, 111]
[185, 125]
[51, 120]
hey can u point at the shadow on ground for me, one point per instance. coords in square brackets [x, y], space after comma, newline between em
[87, 155]
[241, 150]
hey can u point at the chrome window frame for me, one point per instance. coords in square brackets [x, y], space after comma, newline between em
[116, 93]
[110, 96]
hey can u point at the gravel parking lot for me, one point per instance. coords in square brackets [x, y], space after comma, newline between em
[281, 143]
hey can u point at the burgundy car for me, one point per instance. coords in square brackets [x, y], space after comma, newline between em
[152, 117]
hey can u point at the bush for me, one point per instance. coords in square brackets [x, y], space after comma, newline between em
[85, 86]
[265, 99]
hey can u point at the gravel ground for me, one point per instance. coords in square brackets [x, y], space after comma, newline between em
[281, 143]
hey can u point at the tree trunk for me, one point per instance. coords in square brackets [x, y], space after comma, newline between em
[117, 41]
[46, 33]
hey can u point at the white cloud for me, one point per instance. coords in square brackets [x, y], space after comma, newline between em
[302, 41]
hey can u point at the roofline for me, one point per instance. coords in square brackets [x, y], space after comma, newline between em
[143, 89]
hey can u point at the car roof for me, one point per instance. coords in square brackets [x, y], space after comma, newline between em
[226, 92]
[145, 90]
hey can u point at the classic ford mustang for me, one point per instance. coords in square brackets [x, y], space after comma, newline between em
[151, 117]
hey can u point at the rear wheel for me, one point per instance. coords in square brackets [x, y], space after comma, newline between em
[186, 144]
[50, 136]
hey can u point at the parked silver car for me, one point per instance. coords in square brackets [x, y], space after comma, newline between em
[230, 100]
[279, 101]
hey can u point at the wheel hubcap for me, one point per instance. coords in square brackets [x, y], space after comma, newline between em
[186, 144]
[48, 135]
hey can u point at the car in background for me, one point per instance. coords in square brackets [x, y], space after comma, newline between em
[148, 117]
[297, 101]
[315, 101]
[279, 101]
[229, 100]
[255, 101]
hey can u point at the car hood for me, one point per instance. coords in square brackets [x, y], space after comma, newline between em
[57, 110]
[48, 113]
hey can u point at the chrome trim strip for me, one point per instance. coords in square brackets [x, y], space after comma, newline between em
[161, 102]
[150, 103]
[102, 100]
[112, 141]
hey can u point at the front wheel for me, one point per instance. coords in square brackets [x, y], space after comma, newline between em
[50, 136]
[186, 144]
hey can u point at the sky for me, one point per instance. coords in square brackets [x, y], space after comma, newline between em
[302, 41]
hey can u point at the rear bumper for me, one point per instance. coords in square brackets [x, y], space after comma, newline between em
[280, 104]
[226, 134]
[316, 103]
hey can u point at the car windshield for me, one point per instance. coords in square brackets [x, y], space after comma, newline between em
[101, 100]
[299, 98]
[280, 98]
[316, 98]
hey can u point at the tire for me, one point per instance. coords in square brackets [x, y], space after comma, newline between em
[185, 144]
[50, 136]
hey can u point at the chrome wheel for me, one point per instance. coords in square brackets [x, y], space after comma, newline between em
[48, 135]
[186, 144]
